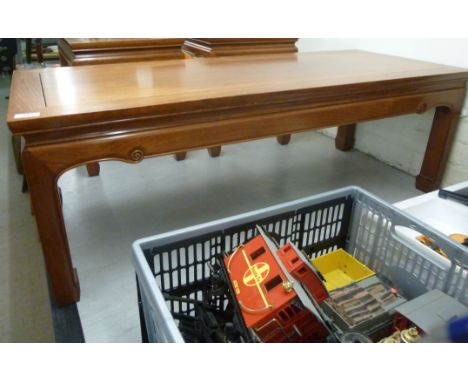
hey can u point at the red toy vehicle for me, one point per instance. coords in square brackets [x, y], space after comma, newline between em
[276, 290]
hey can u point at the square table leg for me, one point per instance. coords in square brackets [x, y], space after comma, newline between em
[344, 140]
[214, 151]
[438, 147]
[180, 156]
[47, 204]
[93, 168]
[283, 139]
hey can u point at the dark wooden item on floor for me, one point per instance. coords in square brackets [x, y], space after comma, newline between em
[219, 47]
[66, 321]
[94, 51]
[208, 103]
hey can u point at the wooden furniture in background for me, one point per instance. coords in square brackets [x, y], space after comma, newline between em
[74, 116]
[37, 49]
[94, 51]
[220, 47]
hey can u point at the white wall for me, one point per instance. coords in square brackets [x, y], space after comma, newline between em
[401, 141]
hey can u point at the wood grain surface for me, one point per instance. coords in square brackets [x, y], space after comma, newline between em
[93, 93]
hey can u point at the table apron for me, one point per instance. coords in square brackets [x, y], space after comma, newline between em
[137, 144]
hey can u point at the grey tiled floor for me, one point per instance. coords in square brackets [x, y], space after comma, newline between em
[105, 214]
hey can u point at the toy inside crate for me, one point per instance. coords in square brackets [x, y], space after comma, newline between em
[340, 269]
[183, 269]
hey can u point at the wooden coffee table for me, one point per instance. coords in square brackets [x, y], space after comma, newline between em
[78, 115]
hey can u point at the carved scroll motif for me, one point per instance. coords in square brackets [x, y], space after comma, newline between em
[137, 155]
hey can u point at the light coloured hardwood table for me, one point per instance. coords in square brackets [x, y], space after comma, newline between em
[71, 116]
[97, 51]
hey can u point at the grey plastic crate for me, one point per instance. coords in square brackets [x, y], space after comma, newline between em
[351, 218]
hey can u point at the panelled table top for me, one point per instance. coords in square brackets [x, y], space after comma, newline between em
[88, 94]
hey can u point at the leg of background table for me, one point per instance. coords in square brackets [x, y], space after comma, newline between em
[93, 168]
[180, 156]
[283, 139]
[39, 50]
[214, 151]
[28, 50]
[45, 198]
[16, 145]
[62, 60]
[344, 140]
[438, 148]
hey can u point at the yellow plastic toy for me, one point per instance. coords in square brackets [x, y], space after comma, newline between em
[339, 269]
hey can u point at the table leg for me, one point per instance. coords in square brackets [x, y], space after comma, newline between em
[62, 60]
[214, 151]
[19, 52]
[180, 156]
[16, 145]
[283, 139]
[438, 148]
[46, 201]
[344, 140]
[28, 50]
[39, 51]
[93, 168]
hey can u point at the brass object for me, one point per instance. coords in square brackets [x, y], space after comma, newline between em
[431, 244]
[395, 338]
[288, 286]
[458, 237]
[410, 335]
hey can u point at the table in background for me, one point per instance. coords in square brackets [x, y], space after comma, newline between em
[92, 51]
[217, 47]
[73, 116]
